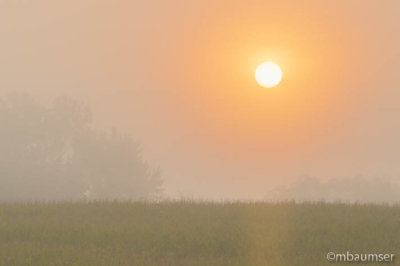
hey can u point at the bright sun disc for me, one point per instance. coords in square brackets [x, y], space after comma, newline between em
[268, 74]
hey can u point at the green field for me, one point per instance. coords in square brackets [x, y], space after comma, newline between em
[187, 233]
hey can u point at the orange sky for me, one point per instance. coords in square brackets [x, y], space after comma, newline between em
[179, 76]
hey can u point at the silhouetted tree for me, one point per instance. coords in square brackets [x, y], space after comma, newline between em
[54, 153]
[356, 189]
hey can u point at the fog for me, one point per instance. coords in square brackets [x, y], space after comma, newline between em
[148, 99]
[53, 153]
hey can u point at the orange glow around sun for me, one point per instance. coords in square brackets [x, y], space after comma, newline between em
[228, 62]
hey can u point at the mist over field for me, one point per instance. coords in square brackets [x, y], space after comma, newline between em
[201, 132]
[157, 99]
[52, 153]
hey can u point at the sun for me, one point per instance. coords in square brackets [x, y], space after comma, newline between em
[268, 74]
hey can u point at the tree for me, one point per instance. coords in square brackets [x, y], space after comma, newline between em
[54, 153]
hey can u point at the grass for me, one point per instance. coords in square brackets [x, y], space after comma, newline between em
[188, 233]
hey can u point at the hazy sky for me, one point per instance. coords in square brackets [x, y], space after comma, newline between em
[179, 76]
